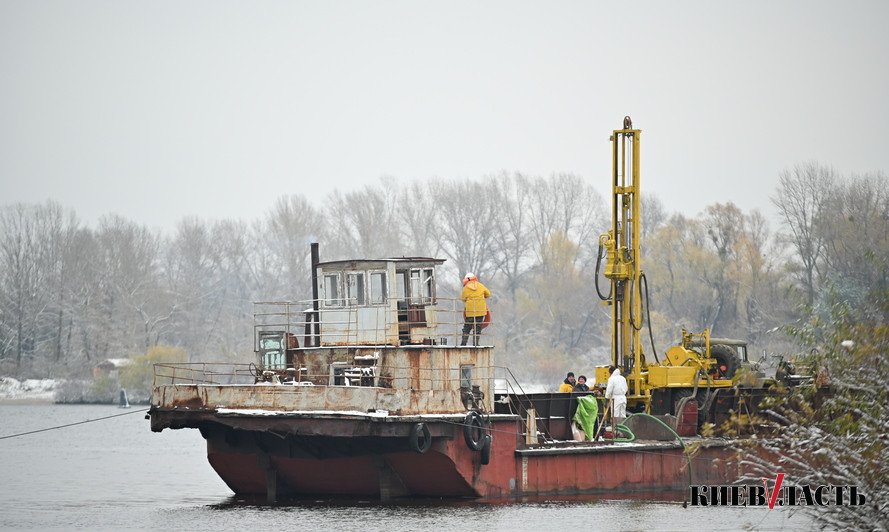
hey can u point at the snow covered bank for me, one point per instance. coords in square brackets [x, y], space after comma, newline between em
[27, 391]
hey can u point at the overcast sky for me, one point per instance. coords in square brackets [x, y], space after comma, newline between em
[159, 110]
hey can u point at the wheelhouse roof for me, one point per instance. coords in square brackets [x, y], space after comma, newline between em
[397, 260]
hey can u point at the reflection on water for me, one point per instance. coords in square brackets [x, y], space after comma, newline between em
[116, 473]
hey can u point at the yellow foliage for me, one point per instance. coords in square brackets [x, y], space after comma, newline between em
[139, 375]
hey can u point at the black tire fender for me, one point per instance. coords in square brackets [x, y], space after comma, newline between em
[486, 450]
[420, 438]
[474, 431]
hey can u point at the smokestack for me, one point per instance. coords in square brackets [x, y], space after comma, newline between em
[316, 319]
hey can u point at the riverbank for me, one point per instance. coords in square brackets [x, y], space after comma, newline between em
[28, 391]
[60, 391]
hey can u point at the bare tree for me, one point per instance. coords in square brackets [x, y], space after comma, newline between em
[653, 216]
[31, 276]
[418, 219]
[511, 244]
[192, 279]
[280, 262]
[364, 221]
[855, 230]
[467, 212]
[725, 225]
[800, 199]
[126, 301]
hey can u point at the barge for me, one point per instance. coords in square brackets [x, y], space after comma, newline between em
[365, 391]
[370, 390]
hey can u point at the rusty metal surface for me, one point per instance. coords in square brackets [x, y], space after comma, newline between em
[419, 380]
[332, 423]
[620, 469]
[305, 464]
[308, 398]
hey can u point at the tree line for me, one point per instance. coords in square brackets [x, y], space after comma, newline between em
[72, 295]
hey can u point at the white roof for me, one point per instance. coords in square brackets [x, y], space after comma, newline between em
[119, 362]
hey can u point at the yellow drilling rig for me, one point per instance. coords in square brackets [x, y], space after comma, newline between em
[700, 367]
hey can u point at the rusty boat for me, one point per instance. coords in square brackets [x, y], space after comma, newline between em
[367, 391]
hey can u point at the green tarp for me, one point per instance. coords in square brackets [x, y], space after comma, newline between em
[587, 412]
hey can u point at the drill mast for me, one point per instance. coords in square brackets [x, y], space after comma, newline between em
[623, 266]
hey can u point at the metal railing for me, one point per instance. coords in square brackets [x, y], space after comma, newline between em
[240, 374]
[391, 323]
[204, 373]
[552, 410]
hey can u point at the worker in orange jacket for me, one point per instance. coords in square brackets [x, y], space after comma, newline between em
[475, 307]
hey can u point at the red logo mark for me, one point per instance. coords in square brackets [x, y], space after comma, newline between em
[773, 496]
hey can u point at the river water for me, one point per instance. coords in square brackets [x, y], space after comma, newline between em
[115, 474]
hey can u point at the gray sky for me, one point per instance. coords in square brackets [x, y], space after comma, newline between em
[158, 110]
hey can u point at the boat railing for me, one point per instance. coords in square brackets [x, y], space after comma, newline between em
[513, 386]
[339, 374]
[204, 373]
[438, 321]
[552, 411]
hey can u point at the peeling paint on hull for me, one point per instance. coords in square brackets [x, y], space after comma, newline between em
[316, 455]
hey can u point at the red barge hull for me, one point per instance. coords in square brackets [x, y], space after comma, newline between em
[307, 455]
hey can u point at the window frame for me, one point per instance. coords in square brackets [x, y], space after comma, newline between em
[370, 288]
[402, 280]
[425, 276]
[429, 282]
[360, 291]
[340, 300]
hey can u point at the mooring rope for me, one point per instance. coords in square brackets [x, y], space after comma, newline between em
[71, 424]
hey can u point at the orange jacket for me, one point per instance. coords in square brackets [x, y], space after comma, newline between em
[473, 296]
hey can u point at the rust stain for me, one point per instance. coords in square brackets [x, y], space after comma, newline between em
[190, 403]
[415, 373]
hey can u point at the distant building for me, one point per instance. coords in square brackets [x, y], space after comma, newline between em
[110, 368]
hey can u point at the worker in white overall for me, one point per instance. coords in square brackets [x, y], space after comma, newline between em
[616, 393]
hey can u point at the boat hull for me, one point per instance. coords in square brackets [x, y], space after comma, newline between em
[274, 465]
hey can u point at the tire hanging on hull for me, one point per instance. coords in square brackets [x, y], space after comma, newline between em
[420, 438]
[474, 431]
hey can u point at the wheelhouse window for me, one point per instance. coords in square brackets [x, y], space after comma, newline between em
[429, 285]
[332, 290]
[269, 344]
[422, 286]
[355, 288]
[400, 284]
[378, 292]
[415, 285]
[271, 350]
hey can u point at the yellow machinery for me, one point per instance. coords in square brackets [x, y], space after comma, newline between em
[686, 367]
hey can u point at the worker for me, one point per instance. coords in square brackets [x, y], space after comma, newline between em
[474, 307]
[616, 393]
[581, 385]
[567, 385]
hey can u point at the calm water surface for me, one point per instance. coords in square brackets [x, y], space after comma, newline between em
[116, 474]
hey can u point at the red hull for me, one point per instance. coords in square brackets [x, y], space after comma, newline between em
[251, 466]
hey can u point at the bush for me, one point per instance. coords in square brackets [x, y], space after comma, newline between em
[138, 377]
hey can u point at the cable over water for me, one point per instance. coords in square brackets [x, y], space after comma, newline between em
[71, 424]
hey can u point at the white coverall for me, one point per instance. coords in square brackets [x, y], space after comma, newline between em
[617, 390]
